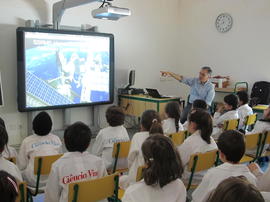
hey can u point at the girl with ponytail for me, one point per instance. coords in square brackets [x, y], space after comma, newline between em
[200, 125]
[172, 124]
[150, 124]
[161, 175]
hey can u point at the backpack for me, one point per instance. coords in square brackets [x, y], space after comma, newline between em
[260, 93]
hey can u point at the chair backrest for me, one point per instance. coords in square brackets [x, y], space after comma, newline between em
[265, 140]
[140, 173]
[12, 159]
[267, 137]
[253, 140]
[44, 163]
[121, 149]
[22, 187]
[250, 120]
[178, 138]
[231, 124]
[202, 161]
[93, 190]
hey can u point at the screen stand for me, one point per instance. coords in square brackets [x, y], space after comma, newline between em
[94, 124]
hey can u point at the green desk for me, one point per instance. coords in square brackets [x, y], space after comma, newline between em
[135, 105]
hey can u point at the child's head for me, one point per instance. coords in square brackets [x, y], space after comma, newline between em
[163, 163]
[199, 104]
[172, 110]
[201, 120]
[243, 97]
[2, 123]
[236, 189]
[115, 116]
[42, 124]
[150, 121]
[3, 138]
[77, 137]
[230, 102]
[8, 187]
[231, 145]
[266, 114]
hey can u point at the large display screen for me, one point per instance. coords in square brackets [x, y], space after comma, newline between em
[60, 69]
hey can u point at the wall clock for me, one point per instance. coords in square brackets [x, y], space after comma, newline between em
[224, 22]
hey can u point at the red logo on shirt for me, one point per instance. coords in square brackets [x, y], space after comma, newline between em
[82, 176]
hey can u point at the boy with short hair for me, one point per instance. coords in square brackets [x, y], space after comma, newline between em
[74, 166]
[231, 145]
[114, 133]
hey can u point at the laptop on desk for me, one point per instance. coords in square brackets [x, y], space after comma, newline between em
[154, 93]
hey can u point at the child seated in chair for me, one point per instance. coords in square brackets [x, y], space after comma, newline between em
[161, 176]
[201, 127]
[197, 104]
[74, 166]
[150, 124]
[9, 152]
[5, 164]
[116, 132]
[228, 112]
[231, 145]
[41, 143]
[244, 109]
[172, 122]
[261, 126]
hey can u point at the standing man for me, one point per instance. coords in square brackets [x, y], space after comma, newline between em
[200, 88]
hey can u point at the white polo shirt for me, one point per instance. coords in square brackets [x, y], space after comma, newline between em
[216, 175]
[175, 191]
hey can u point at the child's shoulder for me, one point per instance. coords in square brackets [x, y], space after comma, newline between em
[140, 135]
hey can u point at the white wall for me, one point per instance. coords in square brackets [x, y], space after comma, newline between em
[176, 35]
[243, 53]
[145, 41]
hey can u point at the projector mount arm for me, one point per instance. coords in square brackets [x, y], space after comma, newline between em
[60, 7]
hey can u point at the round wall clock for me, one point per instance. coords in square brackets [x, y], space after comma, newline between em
[224, 22]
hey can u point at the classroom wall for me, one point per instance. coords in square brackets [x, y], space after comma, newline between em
[145, 42]
[243, 53]
[174, 35]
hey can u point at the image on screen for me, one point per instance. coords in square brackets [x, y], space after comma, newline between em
[66, 69]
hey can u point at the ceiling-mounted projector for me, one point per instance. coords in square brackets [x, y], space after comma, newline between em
[106, 10]
[110, 12]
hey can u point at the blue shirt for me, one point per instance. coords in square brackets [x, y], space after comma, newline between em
[202, 91]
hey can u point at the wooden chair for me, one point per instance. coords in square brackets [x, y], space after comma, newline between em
[231, 124]
[42, 166]
[12, 159]
[120, 150]
[253, 141]
[250, 120]
[139, 177]
[94, 190]
[265, 140]
[178, 138]
[22, 187]
[200, 162]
